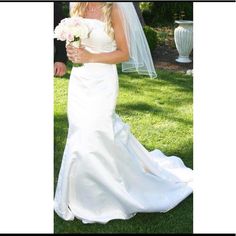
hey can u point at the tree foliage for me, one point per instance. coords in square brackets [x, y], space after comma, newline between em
[165, 13]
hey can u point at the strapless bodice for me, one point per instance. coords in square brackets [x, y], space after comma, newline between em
[98, 40]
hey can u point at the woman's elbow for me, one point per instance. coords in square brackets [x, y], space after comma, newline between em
[125, 57]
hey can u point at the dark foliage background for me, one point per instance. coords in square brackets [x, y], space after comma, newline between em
[165, 13]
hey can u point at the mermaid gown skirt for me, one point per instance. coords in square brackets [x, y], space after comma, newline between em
[106, 173]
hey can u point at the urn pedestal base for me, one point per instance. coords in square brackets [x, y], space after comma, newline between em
[183, 59]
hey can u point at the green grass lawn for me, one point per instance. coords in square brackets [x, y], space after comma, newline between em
[160, 114]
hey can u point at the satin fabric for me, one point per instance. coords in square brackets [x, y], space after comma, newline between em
[106, 173]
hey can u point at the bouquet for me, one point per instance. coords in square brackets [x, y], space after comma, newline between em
[71, 30]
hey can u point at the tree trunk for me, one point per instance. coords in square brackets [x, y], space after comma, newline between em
[139, 12]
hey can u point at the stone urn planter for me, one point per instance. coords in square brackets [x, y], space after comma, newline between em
[183, 36]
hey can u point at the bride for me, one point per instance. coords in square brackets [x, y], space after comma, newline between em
[106, 173]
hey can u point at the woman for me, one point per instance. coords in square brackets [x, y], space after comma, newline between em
[106, 173]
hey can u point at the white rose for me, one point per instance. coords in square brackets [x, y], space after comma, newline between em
[84, 31]
[76, 31]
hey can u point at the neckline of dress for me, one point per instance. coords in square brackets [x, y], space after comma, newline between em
[94, 19]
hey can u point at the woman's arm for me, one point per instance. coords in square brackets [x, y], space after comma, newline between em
[119, 55]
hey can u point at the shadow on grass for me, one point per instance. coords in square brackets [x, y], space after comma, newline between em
[164, 78]
[130, 109]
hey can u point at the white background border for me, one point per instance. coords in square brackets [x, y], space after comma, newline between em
[214, 117]
[26, 120]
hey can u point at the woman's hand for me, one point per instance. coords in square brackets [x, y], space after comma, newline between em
[78, 55]
[59, 69]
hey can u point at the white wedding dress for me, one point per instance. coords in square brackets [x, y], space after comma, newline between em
[105, 172]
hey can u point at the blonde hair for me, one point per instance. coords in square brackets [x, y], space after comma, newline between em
[79, 10]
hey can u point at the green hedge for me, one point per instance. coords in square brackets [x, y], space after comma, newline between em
[151, 36]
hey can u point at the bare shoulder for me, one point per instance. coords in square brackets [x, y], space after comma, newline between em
[116, 15]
